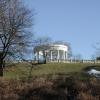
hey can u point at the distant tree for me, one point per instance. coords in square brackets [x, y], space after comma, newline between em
[15, 21]
[77, 57]
[93, 57]
[43, 43]
[97, 58]
[43, 40]
[96, 46]
[69, 51]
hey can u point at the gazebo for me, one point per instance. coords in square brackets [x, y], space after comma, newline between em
[54, 52]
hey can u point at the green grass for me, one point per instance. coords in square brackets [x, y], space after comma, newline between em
[22, 69]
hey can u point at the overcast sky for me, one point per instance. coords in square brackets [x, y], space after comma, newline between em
[73, 21]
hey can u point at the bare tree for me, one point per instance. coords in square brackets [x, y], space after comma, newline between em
[15, 21]
[77, 57]
[96, 54]
[43, 44]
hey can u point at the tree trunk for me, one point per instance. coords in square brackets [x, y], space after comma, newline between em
[1, 68]
[44, 56]
[38, 57]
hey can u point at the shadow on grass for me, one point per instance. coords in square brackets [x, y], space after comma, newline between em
[97, 67]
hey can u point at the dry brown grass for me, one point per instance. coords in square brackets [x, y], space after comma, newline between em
[50, 89]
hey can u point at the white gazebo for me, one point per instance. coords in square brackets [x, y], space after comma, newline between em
[54, 52]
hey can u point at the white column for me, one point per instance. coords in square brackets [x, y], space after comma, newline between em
[58, 56]
[64, 55]
[38, 56]
[51, 56]
[34, 56]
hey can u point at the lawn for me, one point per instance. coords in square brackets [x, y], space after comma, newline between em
[23, 69]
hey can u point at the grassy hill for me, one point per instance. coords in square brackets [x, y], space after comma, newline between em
[23, 69]
[58, 81]
[55, 81]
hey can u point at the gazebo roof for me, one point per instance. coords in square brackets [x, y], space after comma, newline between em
[60, 43]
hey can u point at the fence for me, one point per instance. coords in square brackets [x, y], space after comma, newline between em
[76, 61]
[61, 61]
